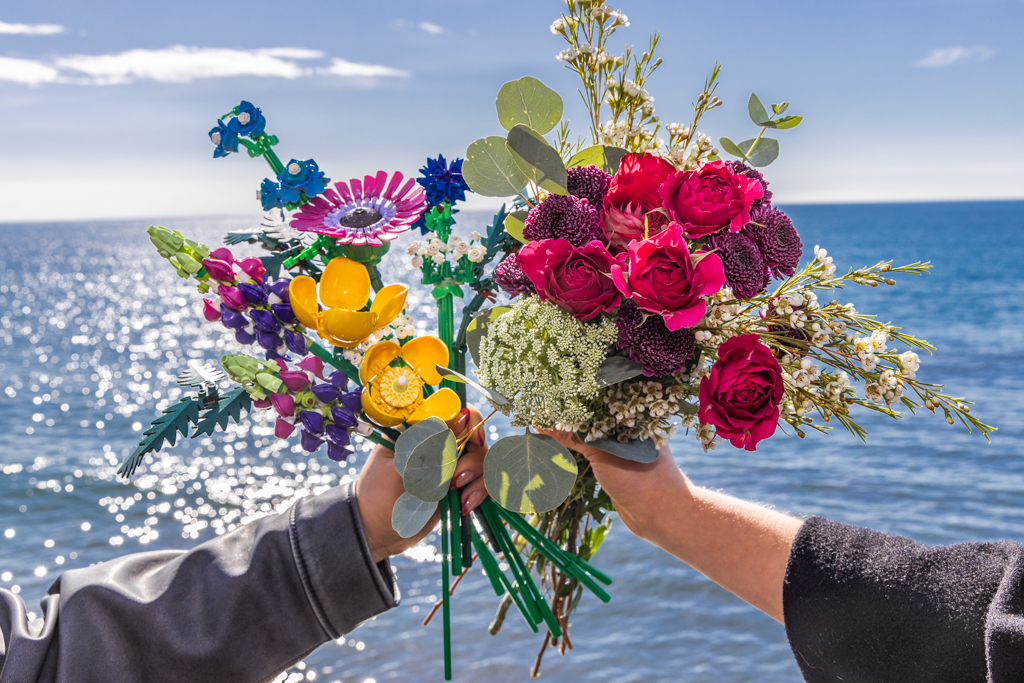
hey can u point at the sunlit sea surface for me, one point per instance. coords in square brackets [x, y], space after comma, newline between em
[94, 327]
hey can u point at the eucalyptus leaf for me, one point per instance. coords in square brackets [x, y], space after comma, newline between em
[477, 328]
[431, 465]
[537, 159]
[780, 108]
[787, 122]
[529, 473]
[731, 147]
[515, 223]
[492, 395]
[766, 152]
[413, 437]
[604, 157]
[635, 450]
[617, 369]
[756, 110]
[411, 514]
[490, 170]
[529, 102]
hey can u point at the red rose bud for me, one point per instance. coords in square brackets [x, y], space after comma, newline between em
[312, 364]
[710, 199]
[232, 297]
[741, 394]
[284, 404]
[211, 310]
[295, 380]
[632, 198]
[283, 429]
[253, 267]
[574, 278]
[224, 254]
[662, 278]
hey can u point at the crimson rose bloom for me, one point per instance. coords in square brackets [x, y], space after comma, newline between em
[664, 278]
[741, 394]
[631, 197]
[710, 199]
[575, 278]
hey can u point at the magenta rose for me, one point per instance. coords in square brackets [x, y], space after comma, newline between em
[575, 278]
[741, 394]
[633, 196]
[710, 199]
[661, 276]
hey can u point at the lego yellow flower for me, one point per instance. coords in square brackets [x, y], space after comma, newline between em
[344, 291]
[393, 391]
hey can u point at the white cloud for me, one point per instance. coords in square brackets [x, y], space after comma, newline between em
[341, 67]
[944, 56]
[181, 64]
[431, 28]
[31, 29]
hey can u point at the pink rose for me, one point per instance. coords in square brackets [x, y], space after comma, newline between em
[710, 199]
[741, 394]
[661, 276]
[633, 197]
[575, 278]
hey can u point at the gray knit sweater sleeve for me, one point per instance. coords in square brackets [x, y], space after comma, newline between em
[863, 606]
[241, 607]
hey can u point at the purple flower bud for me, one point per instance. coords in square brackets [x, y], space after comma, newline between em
[280, 289]
[343, 417]
[326, 393]
[253, 293]
[296, 342]
[267, 340]
[353, 400]
[309, 442]
[232, 319]
[284, 313]
[338, 454]
[284, 404]
[265, 320]
[274, 355]
[313, 421]
[337, 435]
[339, 379]
[243, 337]
[283, 429]
[219, 270]
[295, 380]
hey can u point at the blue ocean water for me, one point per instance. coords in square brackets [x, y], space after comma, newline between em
[94, 327]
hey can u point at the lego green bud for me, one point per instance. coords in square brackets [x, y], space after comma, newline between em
[240, 368]
[167, 242]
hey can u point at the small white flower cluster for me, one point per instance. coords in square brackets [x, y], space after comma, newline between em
[867, 348]
[723, 316]
[688, 156]
[601, 12]
[817, 386]
[400, 328]
[545, 361]
[621, 134]
[823, 267]
[456, 248]
[639, 410]
[589, 54]
[708, 437]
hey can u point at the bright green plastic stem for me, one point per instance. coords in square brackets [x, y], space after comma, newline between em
[496, 575]
[456, 531]
[446, 617]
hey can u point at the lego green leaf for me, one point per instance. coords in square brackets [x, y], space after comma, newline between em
[165, 428]
[529, 473]
[228, 408]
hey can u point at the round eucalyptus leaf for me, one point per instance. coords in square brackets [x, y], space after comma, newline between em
[635, 450]
[537, 159]
[411, 514]
[529, 473]
[515, 223]
[428, 473]
[490, 170]
[766, 151]
[477, 329]
[604, 157]
[530, 102]
[414, 436]
[617, 369]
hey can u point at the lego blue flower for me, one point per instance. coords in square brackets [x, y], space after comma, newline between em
[225, 139]
[270, 195]
[249, 121]
[300, 177]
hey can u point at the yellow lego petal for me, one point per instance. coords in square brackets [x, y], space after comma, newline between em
[378, 411]
[423, 354]
[345, 284]
[443, 403]
[378, 357]
[388, 303]
[302, 295]
[348, 327]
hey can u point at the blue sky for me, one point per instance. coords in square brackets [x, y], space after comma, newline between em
[105, 105]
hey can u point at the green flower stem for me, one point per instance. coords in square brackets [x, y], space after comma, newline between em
[499, 581]
[467, 542]
[455, 530]
[548, 547]
[336, 362]
[446, 330]
[511, 555]
[380, 440]
[446, 617]
[272, 159]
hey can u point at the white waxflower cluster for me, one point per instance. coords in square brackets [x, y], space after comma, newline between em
[639, 410]
[398, 329]
[545, 361]
[823, 267]
[723, 316]
[708, 437]
[815, 384]
[621, 134]
[868, 348]
[689, 155]
[453, 250]
[590, 54]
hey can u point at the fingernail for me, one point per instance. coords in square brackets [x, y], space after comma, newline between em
[480, 437]
[463, 479]
[462, 420]
[472, 501]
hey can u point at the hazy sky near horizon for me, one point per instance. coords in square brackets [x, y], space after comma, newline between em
[105, 105]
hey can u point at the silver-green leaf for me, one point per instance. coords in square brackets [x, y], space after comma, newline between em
[411, 514]
[413, 437]
[492, 395]
[490, 170]
[537, 159]
[617, 369]
[785, 122]
[529, 102]
[431, 465]
[515, 223]
[529, 473]
[732, 148]
[756, 110]
[766, 152]
[604, 157]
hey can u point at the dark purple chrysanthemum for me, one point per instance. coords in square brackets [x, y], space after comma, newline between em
[743, 169]
[588, 182]
[651, 344]
[511, 278]
[776, 238]
[563, 216]
[745, 271]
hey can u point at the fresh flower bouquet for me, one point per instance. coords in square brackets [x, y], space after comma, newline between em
[653, 285]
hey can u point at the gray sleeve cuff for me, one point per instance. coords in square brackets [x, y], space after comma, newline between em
[345, 587]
